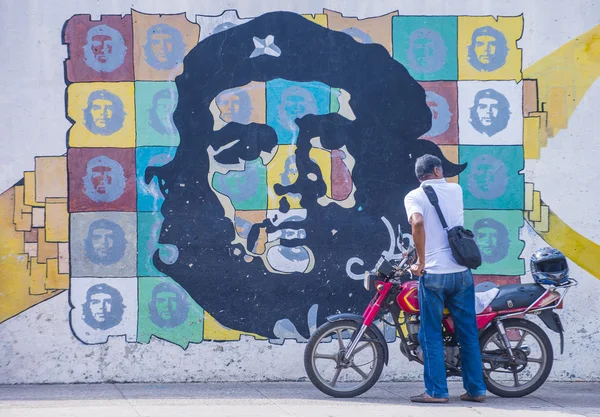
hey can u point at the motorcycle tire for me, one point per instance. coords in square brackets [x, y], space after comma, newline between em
[310, 351]
[545, 343]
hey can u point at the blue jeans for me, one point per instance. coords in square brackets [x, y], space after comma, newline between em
[457, 292]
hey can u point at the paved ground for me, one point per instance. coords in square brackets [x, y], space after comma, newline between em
[280, 399]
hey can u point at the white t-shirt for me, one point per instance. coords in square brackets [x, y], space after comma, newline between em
[438, 255]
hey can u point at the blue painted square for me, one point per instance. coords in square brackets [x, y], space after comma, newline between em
[149, 226]
[149, 196]
[289, 100]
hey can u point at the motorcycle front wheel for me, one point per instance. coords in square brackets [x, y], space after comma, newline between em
[330, 373]
[533, 358]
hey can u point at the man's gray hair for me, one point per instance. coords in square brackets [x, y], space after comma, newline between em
[426, 164]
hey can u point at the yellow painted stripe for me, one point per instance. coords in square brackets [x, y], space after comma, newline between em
[576, 247]
[564, 76]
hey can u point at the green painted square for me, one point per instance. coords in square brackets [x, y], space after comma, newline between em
[246, 189]
[168, 312]
[497, 235]
[155, 103]
[334, 105]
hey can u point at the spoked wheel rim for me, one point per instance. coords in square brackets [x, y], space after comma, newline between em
[526, 355]
[328, 364]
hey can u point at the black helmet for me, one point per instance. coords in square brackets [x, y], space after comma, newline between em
[549, 266]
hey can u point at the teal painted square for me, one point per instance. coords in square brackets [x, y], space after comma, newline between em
[288, 100]
[492, 179]
[166, 311]
[497, 235]
[149, 196]
[155, 103]
[149, 226]
[427, 46]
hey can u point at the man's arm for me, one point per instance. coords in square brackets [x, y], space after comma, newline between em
[418, 235]
[414, 211]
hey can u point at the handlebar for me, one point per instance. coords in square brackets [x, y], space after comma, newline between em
[392, 269]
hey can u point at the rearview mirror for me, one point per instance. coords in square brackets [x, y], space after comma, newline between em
[383, 267]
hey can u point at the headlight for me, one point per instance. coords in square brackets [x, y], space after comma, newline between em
[367, 281]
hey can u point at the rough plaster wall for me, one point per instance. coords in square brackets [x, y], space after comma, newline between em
[38, 345]
[51, 354]
[565, 171]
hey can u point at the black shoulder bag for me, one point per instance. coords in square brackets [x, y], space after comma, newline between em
[462, 241]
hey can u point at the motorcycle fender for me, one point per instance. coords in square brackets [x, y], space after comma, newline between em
[552, 320]
[358, 319]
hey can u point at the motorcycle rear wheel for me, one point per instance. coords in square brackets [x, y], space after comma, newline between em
[517, 330]
[336, 336]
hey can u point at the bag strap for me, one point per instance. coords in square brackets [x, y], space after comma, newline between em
[433, 199]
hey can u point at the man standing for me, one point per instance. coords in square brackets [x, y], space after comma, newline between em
[442, 282]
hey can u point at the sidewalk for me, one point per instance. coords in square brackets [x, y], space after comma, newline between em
[275, 399]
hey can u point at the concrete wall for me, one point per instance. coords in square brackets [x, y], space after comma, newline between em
[141, 242]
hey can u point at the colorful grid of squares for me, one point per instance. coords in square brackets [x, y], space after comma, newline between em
[121, 101]
[470, 68]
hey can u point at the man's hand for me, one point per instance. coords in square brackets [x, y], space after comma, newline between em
[417, 268]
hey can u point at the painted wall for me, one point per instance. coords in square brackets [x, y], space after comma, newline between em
[201, 186]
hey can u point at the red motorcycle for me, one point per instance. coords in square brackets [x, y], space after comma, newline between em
[345, 356]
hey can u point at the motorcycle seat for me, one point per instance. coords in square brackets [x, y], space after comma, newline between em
[516, 296]
[484, 298]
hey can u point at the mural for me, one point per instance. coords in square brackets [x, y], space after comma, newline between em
[34, 236]
[222, 178]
